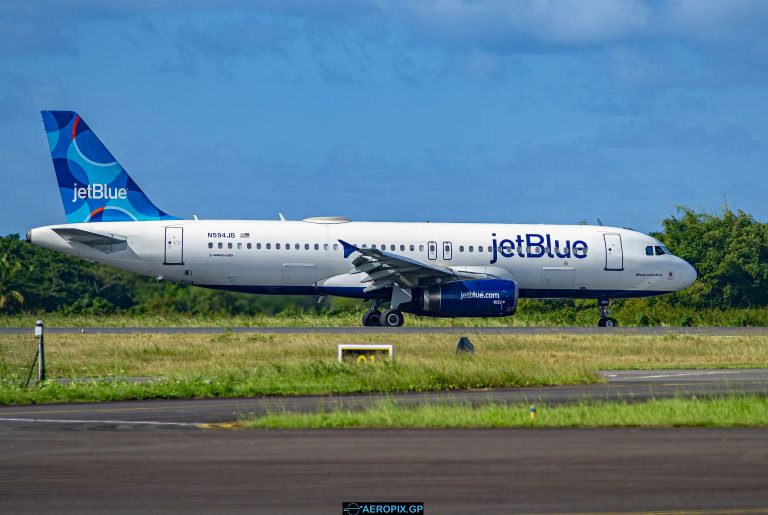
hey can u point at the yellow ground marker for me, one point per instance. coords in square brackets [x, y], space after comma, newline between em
[220, 425]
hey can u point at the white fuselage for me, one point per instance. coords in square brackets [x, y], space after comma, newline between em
[305, 257]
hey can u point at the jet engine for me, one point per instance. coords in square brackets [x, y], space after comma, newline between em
[472, 298]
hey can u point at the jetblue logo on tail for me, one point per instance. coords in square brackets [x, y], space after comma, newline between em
[98, 192]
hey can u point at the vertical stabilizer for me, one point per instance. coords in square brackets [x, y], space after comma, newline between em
[94, 187]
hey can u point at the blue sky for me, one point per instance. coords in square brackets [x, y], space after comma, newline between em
[530, 111]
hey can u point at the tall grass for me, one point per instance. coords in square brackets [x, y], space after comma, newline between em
[532, 313]
[728, 411]
[243, 364]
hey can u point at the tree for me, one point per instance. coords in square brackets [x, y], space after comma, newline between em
[730, 253]
[9, 297]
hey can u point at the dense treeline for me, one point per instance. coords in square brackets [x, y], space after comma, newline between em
[729, 250]
[33, 279]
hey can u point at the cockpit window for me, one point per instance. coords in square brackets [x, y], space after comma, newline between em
[659, 251]
[666, 250]
[649, 250]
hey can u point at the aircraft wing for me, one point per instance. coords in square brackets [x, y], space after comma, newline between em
[385, 270]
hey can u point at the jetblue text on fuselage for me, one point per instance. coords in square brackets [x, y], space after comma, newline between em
[98, 192]
[533, 245]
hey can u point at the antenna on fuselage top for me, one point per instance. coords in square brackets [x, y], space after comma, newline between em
[282, 218]
[600, 222]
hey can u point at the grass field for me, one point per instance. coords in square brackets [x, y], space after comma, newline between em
[248, 364]
[531, 313]
[729, 411]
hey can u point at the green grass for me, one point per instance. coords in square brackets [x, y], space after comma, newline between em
[729, 411]
[531, 313]
[249, 364]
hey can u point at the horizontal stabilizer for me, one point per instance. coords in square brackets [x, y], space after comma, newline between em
[87, 237]
[104, 243]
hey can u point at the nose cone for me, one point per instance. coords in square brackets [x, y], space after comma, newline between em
[688, 274]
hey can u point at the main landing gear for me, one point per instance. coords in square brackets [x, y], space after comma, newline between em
[375, 318]
[605, 320]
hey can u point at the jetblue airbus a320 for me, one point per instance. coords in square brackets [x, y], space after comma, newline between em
[429, 269]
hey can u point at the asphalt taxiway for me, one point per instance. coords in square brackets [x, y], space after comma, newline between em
[173, 456]
[451, 471]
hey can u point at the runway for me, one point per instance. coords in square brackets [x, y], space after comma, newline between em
[648, 331]
[451, 471]
[171, 456]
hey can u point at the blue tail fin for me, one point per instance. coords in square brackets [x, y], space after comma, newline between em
[93, 185]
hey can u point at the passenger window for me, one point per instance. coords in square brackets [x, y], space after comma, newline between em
[412, 248]
[239, 246]
[479, 248]
[325, 246]
[471, 248]
[297, 246]
[249, 246]
[364, 246]
[490, 249]
[392, 248]
[649, 250]
[461, 248]
[221, 245]
[402, 248]
[306, 246]
[659, 251]
[373, 246]
[335, 246]
[317, 247]
[210, 245]
[229, 245]
[277, 246]
[421, 248]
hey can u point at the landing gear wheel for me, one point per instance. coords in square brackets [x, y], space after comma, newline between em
[605, 320]
[372, 318]
[392, 318]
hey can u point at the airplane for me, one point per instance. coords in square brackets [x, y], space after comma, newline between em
[426, 269]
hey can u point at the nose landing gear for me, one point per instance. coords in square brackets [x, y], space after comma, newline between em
[605, 320]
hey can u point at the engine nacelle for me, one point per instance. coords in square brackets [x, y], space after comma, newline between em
[474, 298]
